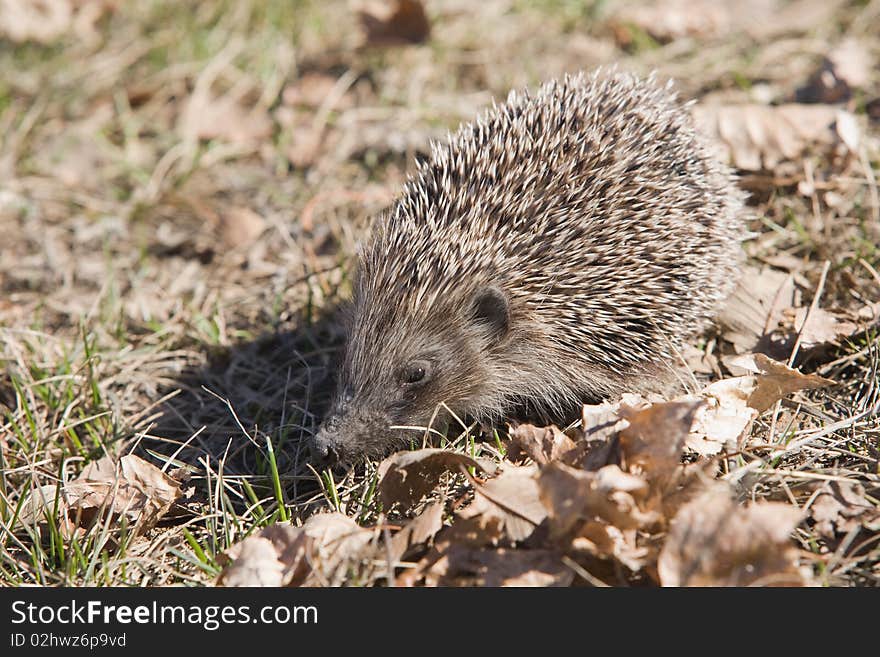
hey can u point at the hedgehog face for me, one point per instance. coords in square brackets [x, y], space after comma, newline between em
[401, 378]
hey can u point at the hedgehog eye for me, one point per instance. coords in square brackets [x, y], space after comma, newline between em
[416, 372]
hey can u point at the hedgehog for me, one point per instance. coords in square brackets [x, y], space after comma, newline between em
[558, 250]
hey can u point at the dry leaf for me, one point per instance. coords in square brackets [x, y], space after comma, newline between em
[465, 566]
[668, 20]
[74, 156]
[599, 539]
[319, 552]
[337, 541]
[305, 114]
[842, 507]
[818, 326]
[654, 440]
[541, 444]
[133, 487]
[733, 404]
[700, 360]
[776, 380]
[417, 531]
[761, 137]
[609, 494]
[254, 563]
[725, 418]
[274, 557]
[392, 22]
[713, 541]
[791, 17]
[509, 502]
[756, 308]
[852, 62]
[305, 145]
[405, 477]
[601, 421]
[765, 314]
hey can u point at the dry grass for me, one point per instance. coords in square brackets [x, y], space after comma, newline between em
[139, 311]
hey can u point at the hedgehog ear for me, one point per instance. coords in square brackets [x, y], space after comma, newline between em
[492, 310]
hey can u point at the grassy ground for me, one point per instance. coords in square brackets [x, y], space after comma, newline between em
[181, 187]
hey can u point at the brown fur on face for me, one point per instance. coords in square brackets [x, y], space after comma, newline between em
[560, 248]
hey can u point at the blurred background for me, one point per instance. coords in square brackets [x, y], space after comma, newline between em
[161, 158]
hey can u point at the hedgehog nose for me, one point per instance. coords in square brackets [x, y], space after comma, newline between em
[324, 455]
[324, 448]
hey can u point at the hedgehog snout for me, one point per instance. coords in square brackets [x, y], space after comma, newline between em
[325, 445]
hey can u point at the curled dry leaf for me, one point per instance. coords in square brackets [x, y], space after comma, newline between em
[608, 494]
[733, 404]
[761, 138]
[393, 22]
[133, 488]
[597, 513]
[725, 418]
[319, 552]
[602, 421]
[599, 539]
[273, 557]
[713, 541]
[775, 380]
[509, 503]
[652, 446]
[541, 444]
[405, 477]
[418, 531]
[600, 425]
[842, 507]
[654, 440]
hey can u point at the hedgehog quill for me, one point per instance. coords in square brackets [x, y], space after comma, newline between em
[556, 251]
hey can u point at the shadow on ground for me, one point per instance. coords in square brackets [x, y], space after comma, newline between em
[276, 387]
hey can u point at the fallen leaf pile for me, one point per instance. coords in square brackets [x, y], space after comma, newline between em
[612, 500]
